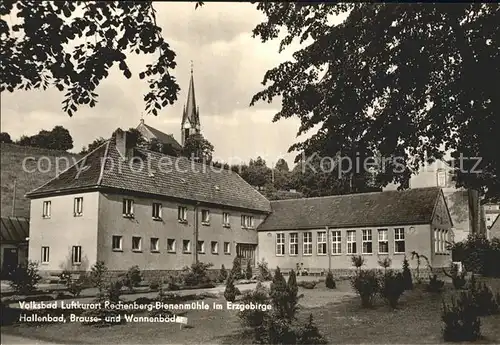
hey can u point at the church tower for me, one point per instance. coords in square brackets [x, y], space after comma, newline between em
[191, 113]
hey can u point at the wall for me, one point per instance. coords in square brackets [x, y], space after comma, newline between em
[63, 230]
[418, 239]
[442, 228]
[112, 222]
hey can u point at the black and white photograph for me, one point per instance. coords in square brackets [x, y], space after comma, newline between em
[292, 173]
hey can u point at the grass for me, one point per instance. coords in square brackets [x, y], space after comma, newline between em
[337, 313]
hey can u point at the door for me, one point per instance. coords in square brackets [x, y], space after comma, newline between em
[10, 260]
[246, 252]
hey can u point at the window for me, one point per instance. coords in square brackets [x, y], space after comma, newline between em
[45, 254]
[128, 208]
[117, 243]
[308, 243]
[214, 247]
[156, 211]
[46, 209]
[205, 217]
[186, 246]
[336, 242]
[182, 214]
[367, 241]
[78, 207]
[441, 178]
[201, 247]
[280, 244]
[351, 242]
[171, 245]
[225, 220]
[436, 241]
[321, 245]
[136, 244]
[247, 222]
[227, 248]
[76, 255]
[155, 244]
[383, 241]
[443, 245]
[399, 240]
[294, 243]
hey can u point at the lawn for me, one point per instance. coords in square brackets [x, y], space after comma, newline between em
[337, 313]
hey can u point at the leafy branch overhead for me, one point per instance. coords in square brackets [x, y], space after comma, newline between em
[72, 45]
[395, 80]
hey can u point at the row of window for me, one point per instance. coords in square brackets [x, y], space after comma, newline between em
[76, 255]
[441, 238]
[137, 246]
[247, 222]
[336, 242]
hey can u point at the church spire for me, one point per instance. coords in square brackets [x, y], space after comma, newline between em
[190, 116]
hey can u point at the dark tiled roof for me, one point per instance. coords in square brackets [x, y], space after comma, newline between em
[14, 229]
[178, 178]
[413, 206]
[495, 227]
[163, 137]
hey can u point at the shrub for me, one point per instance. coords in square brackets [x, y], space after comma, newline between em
[106, 316]
[408, 282]
[75, 286]
[222, 274]
[98, 275]
[197, 274]
[392, 287]
[231, 291]
[357, 261]
[309, 333]
[236, 271]
[458, 279]
[248, 272]
[24, 279]
[366, 284]
[385, 263]
[162, 297]
[329, 282]
[434, 285]
[254, 318]
[155, 284]
[461, 322]
[264, 272]
[479, 255]
[307, 284]
[132, 277]
[482, 297]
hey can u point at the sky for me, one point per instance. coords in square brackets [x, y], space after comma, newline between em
[229, 66]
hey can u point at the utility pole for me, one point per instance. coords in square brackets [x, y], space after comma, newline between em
[14, 199]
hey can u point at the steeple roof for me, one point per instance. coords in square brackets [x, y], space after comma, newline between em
[191, 111]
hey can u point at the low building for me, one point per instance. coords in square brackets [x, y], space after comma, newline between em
[128, 206]
[317, 234]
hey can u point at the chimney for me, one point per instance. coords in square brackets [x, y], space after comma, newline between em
[122, 145]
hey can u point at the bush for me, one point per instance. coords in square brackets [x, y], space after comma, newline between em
[106, 316]
[222, 274]
[366, 284]
[24, 279]
[408, 282]
[162, 297]
[385, 263]
[392, 287]
[254, 318]
[264, 272]
[329, 282]
[479, 255]
[236, 271]
[155, 285]
[482, 297]
[309, 334]
[357, 261]
[307, 284]
[98, 275]
[458, 279]
[248, 272]
[231, 291]
[197, 274]
[461, 322]
[435, 285]
[132, 278]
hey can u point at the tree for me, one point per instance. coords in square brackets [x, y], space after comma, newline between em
[157, 146]
[93, 145]
[5, 138]
[408, 281]
[198, 149]
[386, 81]
[58, 138]
[281, 165]
[42, 48]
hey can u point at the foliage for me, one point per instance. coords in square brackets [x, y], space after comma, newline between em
[133, 277]
[106, 315]
[307, 284]
[483, 301]
[24, 279]
[330, 282]
[374, 105]
[366, 285]
[309, 333]
[74, 286]
[197, 274]
[392, 287]
[5, 138]
[222, 274]
[162, 297]
[198, 149]
[54, 36]
[248, 271]
[434, 285]
[92, 146]
[156, 284]
[236, 271]
[407, 275]
[165, 148]
[254, 318]
[231, 291]
[479, 255]
[458, 279]
[358, 261]
[461, 323]
[264, 272]
[56, 139]
[385, 263]
[98, 274]
[414, 255]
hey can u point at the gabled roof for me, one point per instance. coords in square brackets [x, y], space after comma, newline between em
[14, 229]
[413, 206]
[164, 138]
[161, 175]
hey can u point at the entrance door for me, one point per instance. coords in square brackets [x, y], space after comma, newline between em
[10, 260]
[246, 251]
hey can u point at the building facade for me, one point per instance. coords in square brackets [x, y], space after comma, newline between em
[318, 234]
